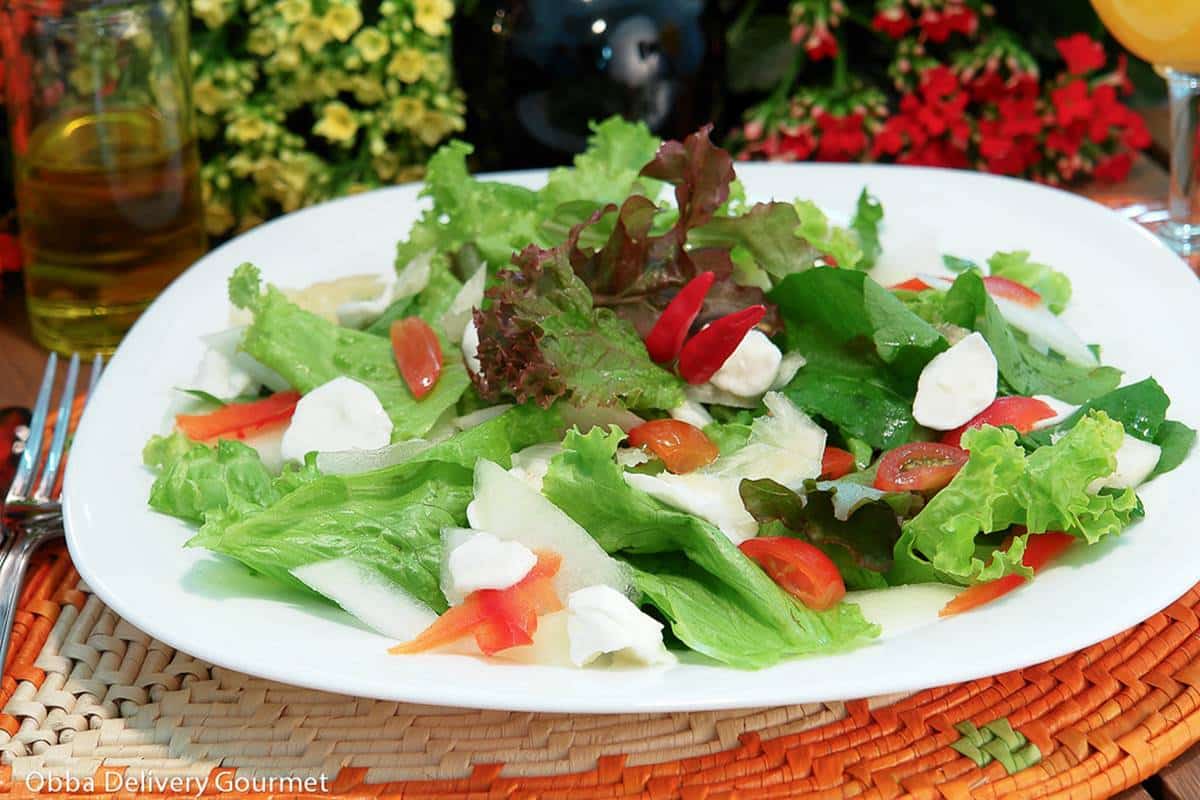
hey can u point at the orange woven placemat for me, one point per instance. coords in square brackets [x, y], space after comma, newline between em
[94, 707]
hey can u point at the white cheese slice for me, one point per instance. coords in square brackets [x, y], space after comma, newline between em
[751, 368]
[1136, 459]
[342, 414]
[601, 621]
[956, 384]
[221, 377]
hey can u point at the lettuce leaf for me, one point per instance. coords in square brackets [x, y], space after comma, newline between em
[309, 351]
[1001, 486]
[716, 600]
[868, 215]
[195, 479]
[608, 171]
[492, 217]
[389, 521]
[1024, 370]
[541, 338]
[1052, 285]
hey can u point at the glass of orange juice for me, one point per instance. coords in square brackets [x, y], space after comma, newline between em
[1166, 33]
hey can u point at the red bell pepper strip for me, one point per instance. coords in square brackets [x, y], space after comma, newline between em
[497, 618]
[239, 420]
[911, 285]
[665, 339]
[418, 354]
[705, 352]
[1040, 549]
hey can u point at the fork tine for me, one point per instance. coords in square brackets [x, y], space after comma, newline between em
[19, 488]
[97, 368]
[62, 425]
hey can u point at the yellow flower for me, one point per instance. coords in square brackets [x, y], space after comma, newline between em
[217, 218]
[207, 97]
[371, 44]
[242, 165]
[328, 83]
[435, 126]
[407, 111]
[249, 221]
[342, 21]
[431, 16]
[311, 34]
[437, 68]
[260, 41]
[212, 12]
[357, 188]
[368, 91]
[293, 11]
[412, 172]
[246, 129]
[407, 65]
[288, 58]
[386, 165]
[337, 123]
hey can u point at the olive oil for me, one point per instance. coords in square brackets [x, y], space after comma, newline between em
[110, 213]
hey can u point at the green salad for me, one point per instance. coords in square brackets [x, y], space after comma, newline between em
[632, 414]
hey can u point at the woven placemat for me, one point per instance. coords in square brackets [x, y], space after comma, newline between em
[94, 707]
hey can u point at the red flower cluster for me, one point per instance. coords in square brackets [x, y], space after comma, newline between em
[994, 115]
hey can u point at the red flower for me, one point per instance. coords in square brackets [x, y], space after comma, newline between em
[893, 22]
[938, 82]
[936, 153]
[1115, 168]
[1003, 154]
[1019, 117]
[1071, 102]
[842, 138]
[1082, 53]
[935, 25]
[961, 20]
[1065, 140]
[796, 145]
[820, 44]
[10, 253]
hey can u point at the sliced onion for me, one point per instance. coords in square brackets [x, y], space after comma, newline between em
[1045, 329]
[227, 343]
[352, 462]
[587, 417]
[481, 416]
[469, 297]
[366, 594]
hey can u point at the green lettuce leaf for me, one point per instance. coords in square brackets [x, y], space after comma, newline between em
[608, 171]
[1176, 440]
[494, 218]
[195, 479]
[839, 243]
[309, 351]
[868, 214]
[716, 600]
[429, 304]
[999, 487]
[1024, 370]
[389, 521]
[1053, 492]
[1052, 285]
[939, 542]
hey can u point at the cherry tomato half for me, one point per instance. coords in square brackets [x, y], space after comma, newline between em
[1011, 290]
[836, 462]
[240, 420]
[919, 467]
[682, 447]
[1019, 412]
[799, 568]
[418, 354]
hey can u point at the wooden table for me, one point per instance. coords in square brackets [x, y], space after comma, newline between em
[22, 361]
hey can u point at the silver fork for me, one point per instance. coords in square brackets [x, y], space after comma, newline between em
[32, 512]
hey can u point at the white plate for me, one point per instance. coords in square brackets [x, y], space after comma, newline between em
[1131, 295]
